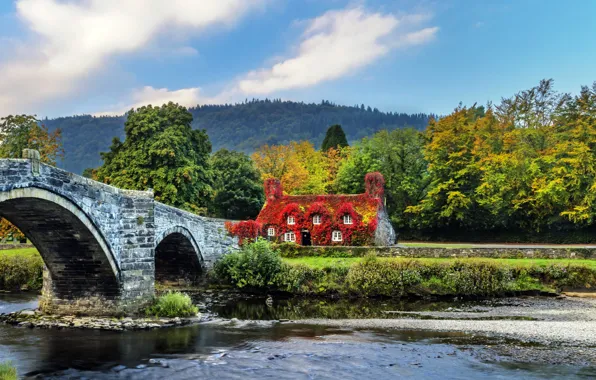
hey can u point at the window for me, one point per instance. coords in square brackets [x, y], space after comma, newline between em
[316, 219]
[271, 231]
[290, 236]
[291, 220]
[336, 236]
[347, 219]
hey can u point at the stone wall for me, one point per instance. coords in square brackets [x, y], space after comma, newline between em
[502, 253]
[209, 234]
[89, 234]
[99, 242]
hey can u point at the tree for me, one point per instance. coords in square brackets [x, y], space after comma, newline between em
[335, 138]
[301, 168]
[162, 152]
[237, 185]
[399, 157]
[19, 132]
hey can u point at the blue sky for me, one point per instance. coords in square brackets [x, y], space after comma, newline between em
[61, 57]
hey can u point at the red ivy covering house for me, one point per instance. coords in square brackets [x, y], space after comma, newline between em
[321, 219]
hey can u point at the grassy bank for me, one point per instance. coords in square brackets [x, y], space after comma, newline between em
[260, 267]
[20, 269]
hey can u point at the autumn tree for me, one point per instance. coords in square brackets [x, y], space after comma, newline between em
[162, 152]
[18, 132]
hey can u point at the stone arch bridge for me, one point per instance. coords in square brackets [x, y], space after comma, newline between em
[103, 247]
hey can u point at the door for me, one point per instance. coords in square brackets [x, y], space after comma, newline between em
[306, 237]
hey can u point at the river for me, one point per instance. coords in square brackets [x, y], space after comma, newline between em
[266, 350]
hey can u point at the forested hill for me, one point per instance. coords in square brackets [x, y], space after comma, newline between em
[242, 127]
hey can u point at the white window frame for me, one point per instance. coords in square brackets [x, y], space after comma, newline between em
[270, 231]
[316, 219]
[291, 220]
[290, 237]
[336, 236]
[348, 219]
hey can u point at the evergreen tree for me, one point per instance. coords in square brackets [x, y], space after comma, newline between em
[335, 138]
[237, 185]
[162, 152]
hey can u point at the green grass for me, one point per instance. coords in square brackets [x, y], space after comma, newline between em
[172, 304]
[8, 371]
[27, 252]
[325, 262]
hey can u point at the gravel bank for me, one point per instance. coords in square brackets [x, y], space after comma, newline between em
[544, 332]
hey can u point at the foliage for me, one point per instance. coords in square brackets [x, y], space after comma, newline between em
[334, 138]
[242, 127]
[301, 168]
[237, 186]
[8, 371]
[398, 156]
[19, 132]
[171, 305]
[162, 152]
[9, 231]
[20, 271]
[24, 131]
[256, 265]
[395, 277]
[246, 231]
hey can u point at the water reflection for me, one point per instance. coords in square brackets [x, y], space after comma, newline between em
[276, 351]
[304, 308]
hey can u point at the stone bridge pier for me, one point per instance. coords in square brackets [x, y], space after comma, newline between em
[103, 247]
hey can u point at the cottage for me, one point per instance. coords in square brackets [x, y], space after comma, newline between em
[358, 219]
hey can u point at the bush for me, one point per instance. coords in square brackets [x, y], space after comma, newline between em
[374, 277]
[172, 304]
[8, 371]
[21, 271]
[256, 265]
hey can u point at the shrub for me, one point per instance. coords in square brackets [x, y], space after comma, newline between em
[478, 278]
[256, 265]
[21, 271]
[374, 277]
[8, 371]
[172, 304]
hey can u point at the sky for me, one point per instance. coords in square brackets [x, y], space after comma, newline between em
[103, 57]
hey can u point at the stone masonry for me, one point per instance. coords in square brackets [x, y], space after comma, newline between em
[103, 246]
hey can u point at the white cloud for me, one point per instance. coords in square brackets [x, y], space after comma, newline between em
[337, 44]
[334, 45]
[188, 97]
[75, 39]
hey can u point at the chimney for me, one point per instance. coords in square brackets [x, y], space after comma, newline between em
[374, 184]
[273, 189]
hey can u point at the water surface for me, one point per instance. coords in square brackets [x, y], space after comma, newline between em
[266, 350]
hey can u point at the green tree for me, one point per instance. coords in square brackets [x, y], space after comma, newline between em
[162, 152]
[18, 132]
[237, 185]
[335, 138]
[396, 154]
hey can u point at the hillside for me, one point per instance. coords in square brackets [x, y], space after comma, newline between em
[242, 127]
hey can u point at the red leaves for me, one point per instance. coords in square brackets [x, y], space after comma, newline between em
[245, 230]
[374, 184]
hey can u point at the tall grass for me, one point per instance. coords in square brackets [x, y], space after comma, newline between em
[8, 371]
[171, 305]
[22, 269]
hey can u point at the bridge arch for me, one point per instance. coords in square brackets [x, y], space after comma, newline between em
[178, 257]
[81, 265]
